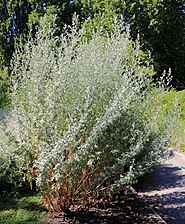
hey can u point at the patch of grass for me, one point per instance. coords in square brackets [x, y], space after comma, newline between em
[178, 140]
[23, 209]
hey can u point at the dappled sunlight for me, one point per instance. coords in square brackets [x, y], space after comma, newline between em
[164, 190]
[170, 206]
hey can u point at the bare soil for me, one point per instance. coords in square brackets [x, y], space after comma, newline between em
[163, 190]
[125, 207]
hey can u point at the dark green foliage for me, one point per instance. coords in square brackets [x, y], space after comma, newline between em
[159, 23]
[9, 180]
[4, 88]
[99, 13]
[62, 10]
[13, 24]
[17, 15]
[161, 26]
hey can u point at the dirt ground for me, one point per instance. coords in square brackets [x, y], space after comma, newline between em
[128, 208]
[160, 198]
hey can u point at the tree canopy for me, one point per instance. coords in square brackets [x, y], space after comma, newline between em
[159, 23]
[161, 26]
[13, 24]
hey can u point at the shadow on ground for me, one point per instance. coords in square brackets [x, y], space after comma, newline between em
[122, 209]
[164, 190]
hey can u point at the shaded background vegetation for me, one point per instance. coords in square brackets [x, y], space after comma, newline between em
[159, 23]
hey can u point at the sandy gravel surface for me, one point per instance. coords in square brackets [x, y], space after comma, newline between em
[178, 158]
[164, 190]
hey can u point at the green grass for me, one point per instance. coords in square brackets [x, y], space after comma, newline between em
[23, 209]
[178, 139]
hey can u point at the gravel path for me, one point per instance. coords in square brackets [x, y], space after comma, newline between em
[164, 189]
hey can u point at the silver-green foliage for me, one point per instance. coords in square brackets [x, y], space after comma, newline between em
[83, 120]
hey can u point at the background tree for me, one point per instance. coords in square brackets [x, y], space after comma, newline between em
[159, 23]
[61, 9]
[99, 13]
[17, 15]
[13, 24]
[161, 26]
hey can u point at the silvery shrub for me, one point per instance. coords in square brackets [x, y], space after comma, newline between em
[85, 119]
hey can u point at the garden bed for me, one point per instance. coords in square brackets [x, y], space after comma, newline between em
[125, 207]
